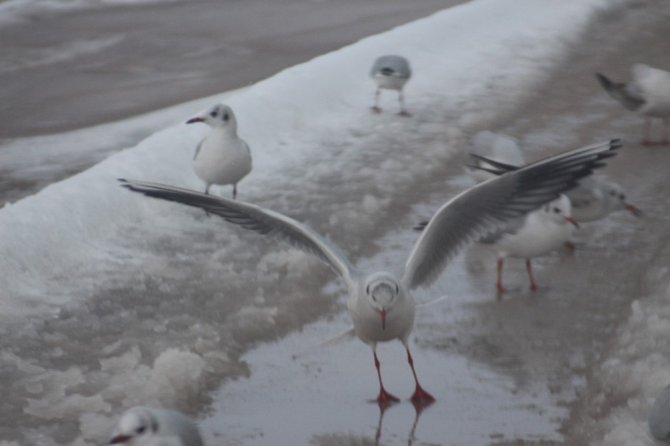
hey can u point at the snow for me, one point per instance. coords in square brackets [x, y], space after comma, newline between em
[76, 255]
[17, 10]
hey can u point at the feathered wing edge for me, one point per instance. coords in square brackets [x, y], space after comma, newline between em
[484, 208]
[254, 218]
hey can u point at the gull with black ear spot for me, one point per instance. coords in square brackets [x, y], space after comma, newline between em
[222, 157]
[147, 426]
[381, 304]
[536, 234]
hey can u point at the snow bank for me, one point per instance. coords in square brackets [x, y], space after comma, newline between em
[637, 368]
[110, 298]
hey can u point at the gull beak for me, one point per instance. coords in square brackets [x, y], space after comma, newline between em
[633, 209]
[572, 221]
[194, 120]
[120, 439]
[382, 313]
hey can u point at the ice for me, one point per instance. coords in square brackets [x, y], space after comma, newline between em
[112, 300]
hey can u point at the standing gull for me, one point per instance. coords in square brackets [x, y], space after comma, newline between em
[648, 93]
[380, 304]
[222, 157]
[391, 73]
[146, 426]
[534, 235]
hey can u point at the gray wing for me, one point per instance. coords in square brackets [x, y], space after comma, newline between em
[481, 209]
[197, 150]
[391, 65]
[254, 218]
[627, 94]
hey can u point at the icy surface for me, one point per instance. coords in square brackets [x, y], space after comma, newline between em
[112, 300]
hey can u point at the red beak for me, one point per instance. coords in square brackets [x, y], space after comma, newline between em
[383, 315]
[120, 439]
[633, 209]
[572, 221]
[194, 120]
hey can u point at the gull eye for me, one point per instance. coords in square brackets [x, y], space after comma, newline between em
[226, 117]
[213, 114]
[557, 211]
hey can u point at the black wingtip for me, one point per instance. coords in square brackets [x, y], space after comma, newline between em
[605, 82]
[421, 226]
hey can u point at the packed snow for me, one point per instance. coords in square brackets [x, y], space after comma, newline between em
[112, 300]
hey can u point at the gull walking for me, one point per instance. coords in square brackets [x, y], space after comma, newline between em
[222, 157]
[380, 303]
[146, 426]
[648, 93]
[495, 146]
[536, 234]
[391, 73]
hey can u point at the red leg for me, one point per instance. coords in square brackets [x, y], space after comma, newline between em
[420, 395]
[529, 268]
[384, 397]
[499, 285]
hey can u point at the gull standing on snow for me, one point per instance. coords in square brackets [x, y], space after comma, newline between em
[596, 198]
[495, 146]
[536, 234]
[648, 93]
[146, 426]
[391, 73]
[222, 157]
[380, 304]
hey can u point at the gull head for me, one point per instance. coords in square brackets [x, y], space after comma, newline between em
[220, 116]
[382, 291]
[134, 425]
[617, 199]
[559, 211]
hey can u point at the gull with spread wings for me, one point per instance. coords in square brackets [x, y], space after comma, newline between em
[380, 304]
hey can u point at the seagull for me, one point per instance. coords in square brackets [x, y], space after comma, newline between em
[146, 426]
[595, 198]
[659, 417]
[495, 146]
[392, 73]
[222, 157]
[648, 93]
[536, 234]
[380, 303]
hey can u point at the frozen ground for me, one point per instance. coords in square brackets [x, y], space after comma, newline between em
[114, 300]
[96, 61]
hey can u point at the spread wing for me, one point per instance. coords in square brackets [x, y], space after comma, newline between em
[483, 208]
[254, 218]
